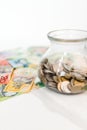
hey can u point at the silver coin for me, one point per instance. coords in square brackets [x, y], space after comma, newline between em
[76, 89]
[43, 79]
[55, 78]
[67, 67]
[64, 87]
[78, 76]
[64, 78]
[48, 71]
[52, 84]
[49, 77]
[55, 68]
[46, 66]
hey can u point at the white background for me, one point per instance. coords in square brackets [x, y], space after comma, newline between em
[27, 22]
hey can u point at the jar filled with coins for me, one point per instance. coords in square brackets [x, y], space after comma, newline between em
[63, 67]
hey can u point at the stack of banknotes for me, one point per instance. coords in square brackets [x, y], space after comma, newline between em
[19, 71]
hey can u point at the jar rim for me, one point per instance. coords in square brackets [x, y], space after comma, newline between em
[55, 35]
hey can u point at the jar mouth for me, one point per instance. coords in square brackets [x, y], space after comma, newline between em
[68, 35]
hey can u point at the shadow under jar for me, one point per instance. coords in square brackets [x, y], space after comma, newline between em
[63, 67]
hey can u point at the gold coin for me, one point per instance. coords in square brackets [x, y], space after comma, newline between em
[64, 87]
[59, 87]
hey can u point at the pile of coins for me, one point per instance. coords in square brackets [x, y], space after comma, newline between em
[62, 77]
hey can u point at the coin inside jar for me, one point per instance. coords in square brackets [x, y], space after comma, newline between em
[64, 65]
[62, 77]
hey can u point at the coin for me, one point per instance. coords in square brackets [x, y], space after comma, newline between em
[64, 87]
[68, 75]
[77, 89]
[62, 76]
[59, 87]
[44, 80]
[48, 71]
[77, 83]
[46, 66]
[52, 84]
[41, 72]
[53, 88]
[55, 67]
[49, 77]
[78, 76]
[67, 67]
[55, 79]
[63, 79]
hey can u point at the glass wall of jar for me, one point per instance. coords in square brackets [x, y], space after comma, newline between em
[63, 67]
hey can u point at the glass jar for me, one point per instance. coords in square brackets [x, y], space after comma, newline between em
[63, 67]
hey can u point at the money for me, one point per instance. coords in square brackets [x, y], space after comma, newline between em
[62, 76]
[36, 51]
[6, 94]
[22, 79]
[22, 62]
[14, 79]
[9, 94]
[5, 78]
[5, 71]
[12, 53]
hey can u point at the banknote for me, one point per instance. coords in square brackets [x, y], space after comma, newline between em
[19, 71]
[37, 51]
[5, 78]
[3, 93]
[5, 71]
[21, 62]
[12, 53]
[22, 78]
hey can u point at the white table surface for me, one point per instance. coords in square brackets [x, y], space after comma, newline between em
[43, 109]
